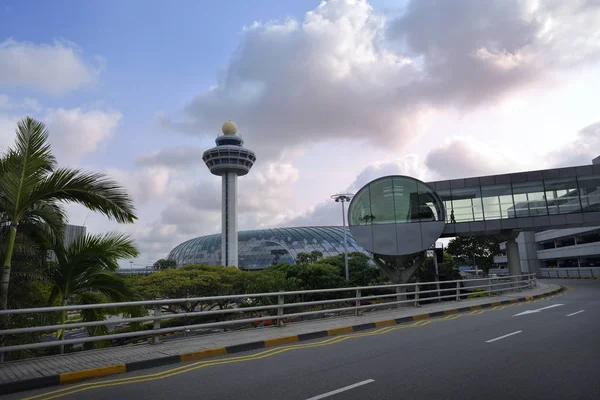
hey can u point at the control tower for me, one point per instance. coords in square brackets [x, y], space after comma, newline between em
[229, 159]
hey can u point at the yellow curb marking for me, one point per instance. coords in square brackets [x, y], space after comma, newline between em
[72, 377]
[279, 341]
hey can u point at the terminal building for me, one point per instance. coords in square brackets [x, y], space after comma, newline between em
[544, 252]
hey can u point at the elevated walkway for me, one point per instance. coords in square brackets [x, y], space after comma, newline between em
[62, 369]
[555, 198]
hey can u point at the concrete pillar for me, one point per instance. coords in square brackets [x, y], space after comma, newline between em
[229, 236]
[512, 257]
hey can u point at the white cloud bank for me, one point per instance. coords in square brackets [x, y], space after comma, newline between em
[346, 71]
[56, 68]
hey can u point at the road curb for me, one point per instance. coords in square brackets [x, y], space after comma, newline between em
[571, 277]
[77, 376]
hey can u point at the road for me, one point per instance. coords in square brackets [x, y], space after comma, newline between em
[550, 351]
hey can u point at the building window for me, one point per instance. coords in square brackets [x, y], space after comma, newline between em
[562, 196]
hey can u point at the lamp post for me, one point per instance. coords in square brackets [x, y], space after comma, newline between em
[343, 198]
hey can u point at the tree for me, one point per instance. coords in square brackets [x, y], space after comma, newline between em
[30, 181]
[312, 276]
[308, 258]
[362, 273]
[164, 264]
[193, 281]
[447, 270]
[85, 273]
[476, 250]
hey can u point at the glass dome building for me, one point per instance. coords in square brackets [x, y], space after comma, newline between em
[259, 249]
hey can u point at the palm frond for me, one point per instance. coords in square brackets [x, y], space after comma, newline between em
[101, 251]
[93, 190]
[25, 164]
[89, 264]
[49, 220]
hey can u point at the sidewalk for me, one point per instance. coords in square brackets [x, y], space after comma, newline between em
[61, 369]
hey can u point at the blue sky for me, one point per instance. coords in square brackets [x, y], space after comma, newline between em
[328, 94]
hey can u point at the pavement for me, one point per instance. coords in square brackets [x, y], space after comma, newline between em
[545, 348]
[48, 371]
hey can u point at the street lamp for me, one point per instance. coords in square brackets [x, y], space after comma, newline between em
[343, 198]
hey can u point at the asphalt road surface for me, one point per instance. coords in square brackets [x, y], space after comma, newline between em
[550, 351]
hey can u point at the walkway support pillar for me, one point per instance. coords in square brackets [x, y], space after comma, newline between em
[513, 259]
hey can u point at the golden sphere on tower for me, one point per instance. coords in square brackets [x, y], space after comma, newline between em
[229, 128]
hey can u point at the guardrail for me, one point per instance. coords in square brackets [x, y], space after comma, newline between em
[593, 272]
[353, 300]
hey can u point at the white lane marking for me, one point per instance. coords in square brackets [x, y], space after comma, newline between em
[575, 313]
[502, 337]
[538, 310]
[340, 390]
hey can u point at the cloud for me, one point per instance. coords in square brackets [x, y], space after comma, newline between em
[5, 101]
[144, 185]
[173, 157]
[265, 191]
[345, 71]
[56, 68]
[8, 125]
[581, 151]
[75, 132]
[464, 157]
[27, 104]
[409, 165]
[474, 52]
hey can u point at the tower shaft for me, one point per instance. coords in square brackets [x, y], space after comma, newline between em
[229, 223]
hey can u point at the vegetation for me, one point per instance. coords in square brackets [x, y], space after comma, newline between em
[447, 270]
[164, 264]
[85, 273]
[476, 250]
[32, 188]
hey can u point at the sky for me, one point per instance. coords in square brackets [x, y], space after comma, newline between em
[329, 95]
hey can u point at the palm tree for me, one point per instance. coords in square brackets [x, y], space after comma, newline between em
[32, 185]
[85, 273]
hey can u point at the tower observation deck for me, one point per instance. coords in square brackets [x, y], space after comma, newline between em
[229, 159]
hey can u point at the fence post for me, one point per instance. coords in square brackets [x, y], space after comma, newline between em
[568, 276]
[399, 292]
[457, 291]
[579, 272]
[519, 279]
[592, 272]
[557, 274]
[156, 326]
[417, 294]
[280, 302]
[489, 287]
[357, 303]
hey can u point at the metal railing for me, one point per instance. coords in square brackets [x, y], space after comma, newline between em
[590, 272]
[353, 300]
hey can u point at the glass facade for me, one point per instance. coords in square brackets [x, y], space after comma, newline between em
[525, 199]
[262, 248]
[397, 199]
